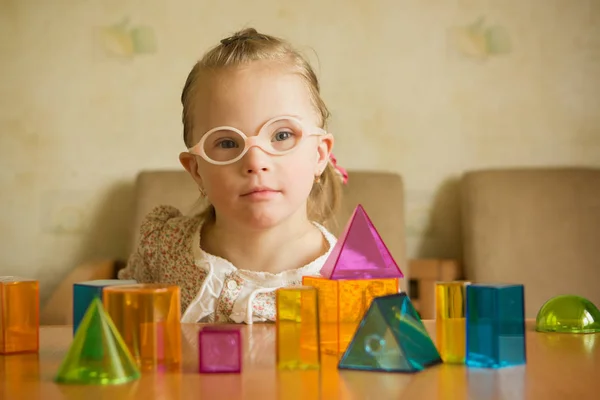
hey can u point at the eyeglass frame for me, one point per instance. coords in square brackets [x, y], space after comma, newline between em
[254, 141]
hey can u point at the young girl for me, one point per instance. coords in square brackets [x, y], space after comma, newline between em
[253, 123]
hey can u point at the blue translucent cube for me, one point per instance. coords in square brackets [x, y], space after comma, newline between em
[84, 293]
[495, 325]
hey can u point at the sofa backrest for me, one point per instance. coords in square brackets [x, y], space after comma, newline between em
[536, 226]
[380, 193]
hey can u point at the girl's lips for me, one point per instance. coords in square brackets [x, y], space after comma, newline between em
[261, 194]
[258, 189]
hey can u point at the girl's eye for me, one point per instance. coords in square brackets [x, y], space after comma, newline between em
[281, 136]
[227, 144]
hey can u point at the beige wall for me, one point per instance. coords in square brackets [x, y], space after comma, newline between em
[422, 87]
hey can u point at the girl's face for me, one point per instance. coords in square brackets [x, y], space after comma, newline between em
[260, 190]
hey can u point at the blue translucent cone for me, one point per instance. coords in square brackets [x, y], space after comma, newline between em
[390, 338]
[98, 354]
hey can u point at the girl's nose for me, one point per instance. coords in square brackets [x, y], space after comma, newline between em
[256, 160]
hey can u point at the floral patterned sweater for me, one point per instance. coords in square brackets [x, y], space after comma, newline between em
[212, 289]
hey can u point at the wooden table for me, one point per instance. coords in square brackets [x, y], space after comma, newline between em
[560, 366]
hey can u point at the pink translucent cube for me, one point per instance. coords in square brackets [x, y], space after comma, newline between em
[220, 349]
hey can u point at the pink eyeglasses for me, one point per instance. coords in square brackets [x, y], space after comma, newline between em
[281, 135]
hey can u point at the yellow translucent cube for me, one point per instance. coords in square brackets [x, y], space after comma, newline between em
[342, 305]
[297, 326]
[19, 315]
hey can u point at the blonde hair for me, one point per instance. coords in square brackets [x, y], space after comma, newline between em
[243, 48]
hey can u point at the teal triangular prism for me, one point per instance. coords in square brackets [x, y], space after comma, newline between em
[374, 346]
[392, 338]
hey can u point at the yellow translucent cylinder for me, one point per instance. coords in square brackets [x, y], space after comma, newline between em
[148, 317]
[450, 309]
[297, 326]
[19, 315]
[342, 305]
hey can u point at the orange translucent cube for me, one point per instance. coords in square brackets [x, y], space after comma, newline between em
[148, 317]
[342, 305]
[19, 315]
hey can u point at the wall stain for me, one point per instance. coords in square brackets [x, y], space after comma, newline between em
[480, 41]
[124, 40]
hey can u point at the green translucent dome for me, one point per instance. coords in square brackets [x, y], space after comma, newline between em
[568, 314]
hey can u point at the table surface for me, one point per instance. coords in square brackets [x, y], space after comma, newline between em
[559, 366]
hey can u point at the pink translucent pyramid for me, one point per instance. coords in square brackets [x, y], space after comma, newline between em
[360, 252]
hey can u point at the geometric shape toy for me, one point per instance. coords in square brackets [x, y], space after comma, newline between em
[360, 252]
[342, 305]
[297, 328]
[148, 317]
[84, 293]
[220, 349]
[450, 322]
[495, 325]
[19, 315]
[391, 338]
[98, 355]
[568, 314]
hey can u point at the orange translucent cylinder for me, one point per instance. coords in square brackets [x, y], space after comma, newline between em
[148, 317]
[19, 315]
[342, 305]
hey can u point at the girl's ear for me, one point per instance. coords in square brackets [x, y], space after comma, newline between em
[323, 152]
[191, 166]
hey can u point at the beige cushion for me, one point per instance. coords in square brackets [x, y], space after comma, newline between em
[539, 227]
[380, 193]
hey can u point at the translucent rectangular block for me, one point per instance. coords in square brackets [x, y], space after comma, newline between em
[219, 349]
[148, 317]
[84, 293]
[495, 325]
[297, 326]
[450, 320]
[342, 305]
[19, 315]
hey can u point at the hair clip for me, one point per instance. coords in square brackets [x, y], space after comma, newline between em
[339, 170]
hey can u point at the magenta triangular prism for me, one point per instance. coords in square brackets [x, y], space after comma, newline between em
[360, 253]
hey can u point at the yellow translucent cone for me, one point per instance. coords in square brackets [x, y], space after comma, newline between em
[98, 355]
